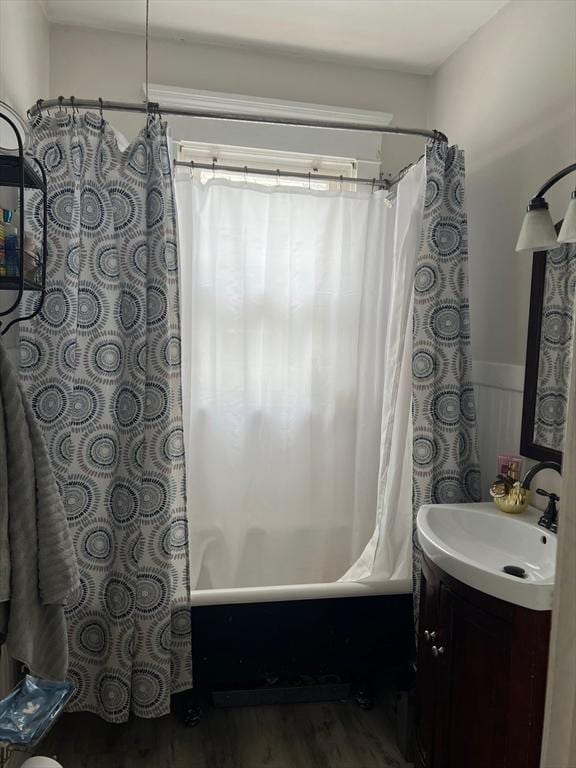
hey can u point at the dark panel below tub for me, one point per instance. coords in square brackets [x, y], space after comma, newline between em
[356, 638]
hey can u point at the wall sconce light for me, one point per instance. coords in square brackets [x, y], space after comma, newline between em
[567, 232]
[538, 232]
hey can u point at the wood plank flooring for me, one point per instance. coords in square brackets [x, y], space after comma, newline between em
[324, 735]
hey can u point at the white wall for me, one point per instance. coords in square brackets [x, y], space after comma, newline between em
[508, 98]
[94, 63]
[24, 53]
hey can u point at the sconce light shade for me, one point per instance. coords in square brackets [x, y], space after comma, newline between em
[567, 232]
[537, 232]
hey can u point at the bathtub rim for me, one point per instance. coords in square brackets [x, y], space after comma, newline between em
[287, 592]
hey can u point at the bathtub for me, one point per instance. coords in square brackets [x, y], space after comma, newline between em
[355, 631]
[238, 595]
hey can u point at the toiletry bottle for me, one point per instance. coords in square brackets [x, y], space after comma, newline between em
[513, 471]
[2, 245]
[12, 258]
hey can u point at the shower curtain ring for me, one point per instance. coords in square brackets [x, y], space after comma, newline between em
[60, 100]
[101, 103]
[245, 174]
[277, 177]
[149, 117]
[309, 181]
[373, 184]
[341, 182]
[159, 115]
[213, 170]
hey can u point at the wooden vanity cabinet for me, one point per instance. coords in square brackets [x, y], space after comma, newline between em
[481, 677]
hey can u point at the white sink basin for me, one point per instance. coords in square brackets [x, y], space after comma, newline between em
[473, 542]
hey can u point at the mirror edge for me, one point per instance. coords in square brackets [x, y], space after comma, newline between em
[528, 447]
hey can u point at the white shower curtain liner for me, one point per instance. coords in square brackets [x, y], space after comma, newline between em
[388, 554]
[296, 380]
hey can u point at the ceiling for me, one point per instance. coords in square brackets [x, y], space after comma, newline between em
[411, 35]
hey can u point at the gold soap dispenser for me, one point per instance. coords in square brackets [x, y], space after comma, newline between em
[507, 491]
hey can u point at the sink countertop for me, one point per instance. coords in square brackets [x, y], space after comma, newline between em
[473, 542]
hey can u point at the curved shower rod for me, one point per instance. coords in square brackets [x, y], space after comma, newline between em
[154, 108]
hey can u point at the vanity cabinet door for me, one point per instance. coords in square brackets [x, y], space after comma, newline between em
[481, 678]
[473, 671]
[427, 671]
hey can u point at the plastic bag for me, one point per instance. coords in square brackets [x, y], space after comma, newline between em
[30, 710]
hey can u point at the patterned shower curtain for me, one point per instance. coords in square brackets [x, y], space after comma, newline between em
[101, 365]
[445, 451]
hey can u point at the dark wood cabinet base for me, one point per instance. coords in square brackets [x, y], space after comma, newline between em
[481, 678]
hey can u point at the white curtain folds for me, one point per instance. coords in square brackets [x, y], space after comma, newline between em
[295, 310]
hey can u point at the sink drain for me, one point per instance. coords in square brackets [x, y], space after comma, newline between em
[515, 570]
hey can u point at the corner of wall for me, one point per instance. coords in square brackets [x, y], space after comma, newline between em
[24, 53]
[516, 131]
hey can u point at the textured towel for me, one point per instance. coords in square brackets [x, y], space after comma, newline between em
[4, 539]
[40, 572]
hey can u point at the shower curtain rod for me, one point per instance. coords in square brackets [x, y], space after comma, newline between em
[379, 183]
[154, 108]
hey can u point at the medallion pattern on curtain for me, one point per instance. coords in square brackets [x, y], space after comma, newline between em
[445, 451]
[555, 359]
[101, 365]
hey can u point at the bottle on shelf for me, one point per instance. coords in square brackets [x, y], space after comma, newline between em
[2, 245]
[11, 246]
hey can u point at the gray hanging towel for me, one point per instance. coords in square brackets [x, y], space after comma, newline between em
[38, 570]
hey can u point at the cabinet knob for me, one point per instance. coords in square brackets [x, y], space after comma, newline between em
[429, 635]
[437, 651]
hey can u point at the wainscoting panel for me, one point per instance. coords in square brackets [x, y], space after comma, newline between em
[499, 390]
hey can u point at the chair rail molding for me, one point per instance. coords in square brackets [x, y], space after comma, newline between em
[498, 375]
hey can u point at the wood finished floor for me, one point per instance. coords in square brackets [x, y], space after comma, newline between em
[326, 735]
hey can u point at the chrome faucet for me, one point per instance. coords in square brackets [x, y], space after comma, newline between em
[549, 519]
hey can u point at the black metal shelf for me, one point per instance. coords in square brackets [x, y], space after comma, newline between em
[13, 284]
[27, 268]
[10, 173]
[10, 275]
